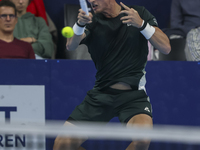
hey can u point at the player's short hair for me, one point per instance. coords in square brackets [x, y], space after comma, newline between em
[8, 4]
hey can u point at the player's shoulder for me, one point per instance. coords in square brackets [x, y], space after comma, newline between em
[143, 12]
[137, 7]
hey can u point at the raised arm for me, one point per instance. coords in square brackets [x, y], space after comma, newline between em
[160, 41]
[156, 37]
[79, 27]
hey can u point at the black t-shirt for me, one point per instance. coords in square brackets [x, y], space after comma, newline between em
[118, 50]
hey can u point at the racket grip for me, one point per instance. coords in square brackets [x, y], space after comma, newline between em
[84, 6]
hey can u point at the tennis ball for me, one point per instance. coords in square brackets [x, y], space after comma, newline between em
[67, 32]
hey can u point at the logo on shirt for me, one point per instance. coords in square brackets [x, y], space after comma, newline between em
[154, 19]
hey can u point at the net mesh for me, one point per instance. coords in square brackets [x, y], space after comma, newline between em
[112, 136]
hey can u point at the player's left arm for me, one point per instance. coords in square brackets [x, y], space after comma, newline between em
[156, 37]
[160, 41]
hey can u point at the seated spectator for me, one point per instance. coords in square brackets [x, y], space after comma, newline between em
[185, 18]
[37, 8]
[185, 15]
[192, 48]
[33, 30]
[11, 47]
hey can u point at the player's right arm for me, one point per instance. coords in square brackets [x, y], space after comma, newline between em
[83, 19]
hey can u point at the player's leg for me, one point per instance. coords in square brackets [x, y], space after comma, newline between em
[96, 107]
[66, 143]
[141, 120]
[135, 109]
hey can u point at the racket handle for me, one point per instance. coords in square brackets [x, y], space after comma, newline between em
[84, 6]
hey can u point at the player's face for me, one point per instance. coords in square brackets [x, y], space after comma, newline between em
[99, 6]
[8, 19]
[21, 5]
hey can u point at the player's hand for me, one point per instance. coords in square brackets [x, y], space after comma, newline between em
[132, 18]
[84, 19]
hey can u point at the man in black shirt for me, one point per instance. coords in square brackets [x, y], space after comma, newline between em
[116, 37]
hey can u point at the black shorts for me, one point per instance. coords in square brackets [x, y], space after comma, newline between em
[102, 106]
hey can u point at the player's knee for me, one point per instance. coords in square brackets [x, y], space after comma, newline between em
[142, 145]
[72, 144]
[66, 143]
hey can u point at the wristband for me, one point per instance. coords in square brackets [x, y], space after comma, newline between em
[78, 30]
[80, 25]
[144, 24]
[148, 30]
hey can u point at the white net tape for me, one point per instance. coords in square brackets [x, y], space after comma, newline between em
[112, 131]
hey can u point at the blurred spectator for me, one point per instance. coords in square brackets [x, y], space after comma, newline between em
[185, 18]
[33, 30]
[11, 47]
[192, 48]
[185, 15]
[37, 8]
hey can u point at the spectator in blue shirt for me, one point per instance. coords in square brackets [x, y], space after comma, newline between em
[185, 15]
[185, 23]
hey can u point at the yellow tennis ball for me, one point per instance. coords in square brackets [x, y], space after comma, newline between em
[67, 32]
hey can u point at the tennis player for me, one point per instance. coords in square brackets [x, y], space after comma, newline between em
[116, 36]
